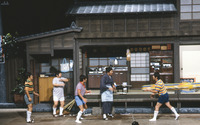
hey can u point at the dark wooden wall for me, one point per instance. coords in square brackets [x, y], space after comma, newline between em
[45, 47]
[127, 23]
[188, 26]
[11, 67]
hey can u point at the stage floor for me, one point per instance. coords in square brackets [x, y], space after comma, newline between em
[17, 117]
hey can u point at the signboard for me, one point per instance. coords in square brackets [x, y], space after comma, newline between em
[2, 58]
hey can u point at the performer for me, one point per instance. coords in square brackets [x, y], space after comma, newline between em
[163, 97]
[28, 97]
[58, 93]
[106, 89]
[79, 97]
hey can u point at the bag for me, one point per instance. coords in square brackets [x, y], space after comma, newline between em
[64, 66]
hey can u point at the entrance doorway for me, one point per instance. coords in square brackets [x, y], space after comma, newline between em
[189, 62]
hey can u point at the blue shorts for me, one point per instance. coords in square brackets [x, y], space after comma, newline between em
[163, 98]
[79, 101]
[26, 99]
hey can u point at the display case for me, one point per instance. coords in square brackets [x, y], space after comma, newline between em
[162, 61]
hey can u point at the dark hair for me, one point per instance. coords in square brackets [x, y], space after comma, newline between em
[82, 77]
[156, 74]
[28, 74]
[135, 123]
[108, 69]
[57, 73]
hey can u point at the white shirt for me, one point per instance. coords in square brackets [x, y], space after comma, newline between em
[59, 90]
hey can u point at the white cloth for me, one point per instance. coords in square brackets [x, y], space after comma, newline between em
[54, 111]
[155, 114]
[58, 91]
[107, 96]
[61, 111]
[79, 115]
[28, 118]
[56, 98]
[174, 111]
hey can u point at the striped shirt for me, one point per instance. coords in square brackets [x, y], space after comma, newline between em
[80, 86]
[160, 87]
[30, 86]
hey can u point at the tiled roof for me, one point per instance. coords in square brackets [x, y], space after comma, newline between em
[72, 28]
[121, 8]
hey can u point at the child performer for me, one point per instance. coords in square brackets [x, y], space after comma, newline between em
[58, 93]
[28, 97]
[79, 97]
[163, 97]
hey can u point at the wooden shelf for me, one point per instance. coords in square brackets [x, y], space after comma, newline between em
[162, 57]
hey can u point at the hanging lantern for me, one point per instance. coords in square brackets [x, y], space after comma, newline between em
[128, 55]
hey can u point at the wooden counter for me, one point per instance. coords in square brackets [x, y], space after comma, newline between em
[45, 89]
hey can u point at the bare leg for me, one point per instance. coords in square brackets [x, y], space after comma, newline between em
[79, 114]
[29, 112]
[157, 107]
[85, 106]
[54, 107]
[62, 103]
[30, 107]
[173, 110]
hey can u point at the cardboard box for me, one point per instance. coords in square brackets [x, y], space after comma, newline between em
[163, 47]
[155, 46]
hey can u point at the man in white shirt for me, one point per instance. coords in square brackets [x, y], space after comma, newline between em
[58, 93]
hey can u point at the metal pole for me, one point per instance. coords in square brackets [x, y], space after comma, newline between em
[1, 26]
[2, 70]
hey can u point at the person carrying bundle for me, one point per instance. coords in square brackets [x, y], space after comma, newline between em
[163, 96]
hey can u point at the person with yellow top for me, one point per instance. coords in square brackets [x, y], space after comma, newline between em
[160, 89]
[28, 97]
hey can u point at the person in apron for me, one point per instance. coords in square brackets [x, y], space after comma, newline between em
[106, 89]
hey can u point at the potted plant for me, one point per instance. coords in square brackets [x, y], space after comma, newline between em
[18, 91]
[13, 49]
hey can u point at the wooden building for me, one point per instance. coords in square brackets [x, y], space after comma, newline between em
[45, 53]
[151, 30]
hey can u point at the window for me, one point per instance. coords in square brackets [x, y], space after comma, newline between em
[139, 66]
[55, 62]
[190, 9]
[45, 67]
[112, 61]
